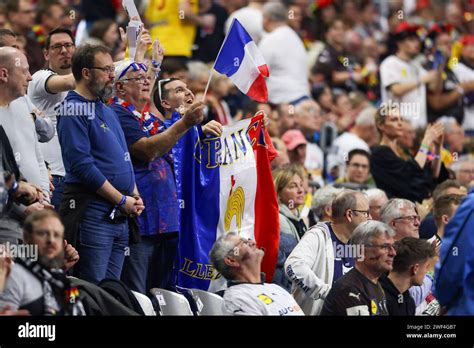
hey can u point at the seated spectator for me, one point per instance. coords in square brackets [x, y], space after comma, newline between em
[377, 199]
[454, 288]
[314, 265]
[401, 215]
[359, 292]
[357, 171]
[40, 285]
[239, 261]
[413, 260]
[428, 227]
[290, 194]
[402, 175]
[322, 202]
[464, 169]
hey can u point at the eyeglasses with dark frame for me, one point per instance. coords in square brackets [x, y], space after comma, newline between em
[385, 247]
[365, 212]
[409, 218]
[107, 69]
[59, 47]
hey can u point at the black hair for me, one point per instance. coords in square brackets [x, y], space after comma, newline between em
[164, 94]
[47, 41]
[357, 152]
[84, 57]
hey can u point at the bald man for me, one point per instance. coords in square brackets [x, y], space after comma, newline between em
[19, 126]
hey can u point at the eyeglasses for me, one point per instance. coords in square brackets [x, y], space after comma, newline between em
[107, 69]
[160, 82]
[411, 218]
[366, 213]
[135, 66]
[385, 247]
[358, 165]
[139, 79]
[59, 47]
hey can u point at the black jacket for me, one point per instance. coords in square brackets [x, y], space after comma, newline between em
[397, 303]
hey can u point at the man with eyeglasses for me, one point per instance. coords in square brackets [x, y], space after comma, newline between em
[239, 261]
[322, 257]
[357, 170]
[100, 199]
[48, 88]
[359, 292]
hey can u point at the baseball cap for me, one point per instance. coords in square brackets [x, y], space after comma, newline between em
[293, 138]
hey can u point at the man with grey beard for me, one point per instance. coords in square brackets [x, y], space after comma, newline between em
[37, 283]
[100, 195]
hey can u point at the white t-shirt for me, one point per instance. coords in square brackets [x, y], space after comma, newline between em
[20, 129]
[46, 102]
[465, 73]
[287, 61]
[412, 105]
[251, 19]
[259, 299]
[342, 145]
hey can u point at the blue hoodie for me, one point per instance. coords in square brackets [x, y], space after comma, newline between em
[93, 145]
[454, 280]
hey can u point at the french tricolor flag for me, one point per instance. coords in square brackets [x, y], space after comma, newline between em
[240, 59]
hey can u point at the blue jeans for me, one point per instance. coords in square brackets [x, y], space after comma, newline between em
[102, 245]
[151, 263]
[58, 183]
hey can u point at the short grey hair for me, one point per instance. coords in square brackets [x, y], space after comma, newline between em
[275, 12]
[391, 209]
[366, 117]
[347, 199]
[196, 69]
[368, 230]
[323, 198]
[448, 122]
[375, 193]
[221, 248]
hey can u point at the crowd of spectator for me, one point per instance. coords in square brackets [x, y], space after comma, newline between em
[370, 108]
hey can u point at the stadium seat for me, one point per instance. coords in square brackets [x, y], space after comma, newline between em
[145, 303]
[171, 303]
[212, 304]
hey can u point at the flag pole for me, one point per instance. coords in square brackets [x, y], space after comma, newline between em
[213, 65]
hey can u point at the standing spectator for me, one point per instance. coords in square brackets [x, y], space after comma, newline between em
[105, 32]
[464, 169]
[48, 88]
[239, 261]
[296, 144]
[251, 18]
[8, 38]
[49, 16]
[407, 140]
[290, 194]
[377, 199]
[21, 16]
[453, 271]
[19, 125]
[209, 39]
[99, 174]
[402, 175]
[454, 137]
[403, 81]
[334, 65]
[288, 82]
[151, 261]
[448, 99]
[410, 265]
[286, 117]
[359, 292]
[314, 265]
[464, 71]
